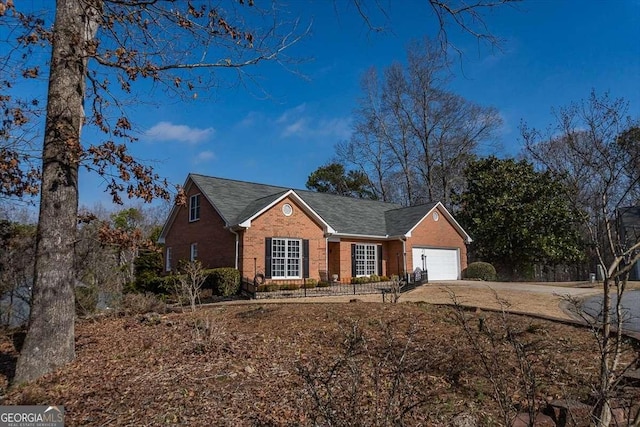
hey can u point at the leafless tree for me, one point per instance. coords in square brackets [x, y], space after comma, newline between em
[584, 147]
[412, 134]
[189, 282]
[370, 382]
[468, 17]
[367, 148]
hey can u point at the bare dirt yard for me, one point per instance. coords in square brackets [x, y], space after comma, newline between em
[275, 364]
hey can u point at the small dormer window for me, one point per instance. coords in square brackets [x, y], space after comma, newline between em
[194, 208]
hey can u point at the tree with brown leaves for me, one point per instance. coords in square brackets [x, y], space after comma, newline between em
[99, 50]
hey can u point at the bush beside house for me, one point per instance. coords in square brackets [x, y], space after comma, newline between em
[223, 281]
[480, 270]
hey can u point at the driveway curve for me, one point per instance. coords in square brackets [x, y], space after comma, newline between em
[548, 300]
[540, 299]
[630, 309]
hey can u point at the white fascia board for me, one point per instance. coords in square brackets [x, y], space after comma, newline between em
[450, 217]
[362, 236]
[172, 214]
[174, 210]
[298, 199]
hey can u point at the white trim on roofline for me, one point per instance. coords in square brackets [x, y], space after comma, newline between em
[290, 193]
[172, 214]
[174, 210]
[362, 236]
[451, 219]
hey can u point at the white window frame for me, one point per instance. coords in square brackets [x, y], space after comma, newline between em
[366, 259]
[194, 208]
[285, 263]
[193, 252]
[167, 259]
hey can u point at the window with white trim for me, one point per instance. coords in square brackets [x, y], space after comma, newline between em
[194, 251]
[194, 208]
[366, 260]
[286, 258]
[167, 260]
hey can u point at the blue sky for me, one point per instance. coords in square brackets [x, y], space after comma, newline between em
[554, 52]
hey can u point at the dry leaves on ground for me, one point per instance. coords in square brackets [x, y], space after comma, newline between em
[300, 364]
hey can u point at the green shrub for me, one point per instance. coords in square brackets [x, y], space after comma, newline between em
[310, 284]
[374, 278]
[323, 284]
[224, 281]
[384, 278]
[480, 270]
[148, 274]
[269, 287]
[289, 287]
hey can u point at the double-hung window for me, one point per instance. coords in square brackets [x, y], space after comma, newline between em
[286, 258]
[194, 208]
[366, 262]
[194, 252]
[167, 260]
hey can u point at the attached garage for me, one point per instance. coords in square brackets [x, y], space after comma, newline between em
[440, 264]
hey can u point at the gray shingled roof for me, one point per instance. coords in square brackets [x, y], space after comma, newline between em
[238, 201]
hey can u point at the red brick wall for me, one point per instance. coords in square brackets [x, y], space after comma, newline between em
[216, 246]
[273, 223]
[395, 258]
[436, 234]
[334, 260]
[340, 257]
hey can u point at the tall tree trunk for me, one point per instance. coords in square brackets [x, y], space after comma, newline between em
[49, 343]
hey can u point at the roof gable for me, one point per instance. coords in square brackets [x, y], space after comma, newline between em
[262, 205]
[441, 209]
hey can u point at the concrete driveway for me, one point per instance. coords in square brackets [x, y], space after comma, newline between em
[546, 300]
[540, 299]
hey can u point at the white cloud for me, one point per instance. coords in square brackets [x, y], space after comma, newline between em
[338, 128]
[250, 120]
[205, 156]
[292, 113]
[296, 128]
[167, 131]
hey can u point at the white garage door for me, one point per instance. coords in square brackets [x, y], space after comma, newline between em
[441, 264]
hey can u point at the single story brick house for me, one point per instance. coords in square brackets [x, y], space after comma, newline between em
[288, 235]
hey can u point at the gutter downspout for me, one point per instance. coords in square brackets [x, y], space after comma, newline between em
[404, 257]
[237, 247]
[326, 257]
